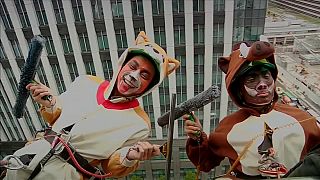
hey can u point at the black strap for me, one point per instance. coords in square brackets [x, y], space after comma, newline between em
[80, 159]
[43, 161]
[64, 155]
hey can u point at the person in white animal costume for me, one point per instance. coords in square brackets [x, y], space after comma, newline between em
[100, 122]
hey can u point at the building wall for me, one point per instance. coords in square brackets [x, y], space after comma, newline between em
[87, 37]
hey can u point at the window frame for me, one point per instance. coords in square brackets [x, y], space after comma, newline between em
[58, 77]
[59, 11]
[102, 39]
[5, 16]
[137, 8]
[40, 12]
[121, 38]
[157, 7]
[84, 42]
[117, 8]
[179, 35]
[73, 70]
[97, 10]
[16, 48]
[90, 69]
[77, 9]
[23, 16]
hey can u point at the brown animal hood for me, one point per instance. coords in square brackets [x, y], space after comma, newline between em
[241, 56]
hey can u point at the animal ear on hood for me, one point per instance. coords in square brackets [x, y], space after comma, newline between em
[142, 38]
[258, 50]
[173, 64]
[223, 63]
[170, 64]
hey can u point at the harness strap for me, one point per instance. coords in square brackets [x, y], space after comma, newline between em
[43, 161]
[63, 155]
[80, 159]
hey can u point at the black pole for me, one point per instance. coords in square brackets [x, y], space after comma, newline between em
[170, 135]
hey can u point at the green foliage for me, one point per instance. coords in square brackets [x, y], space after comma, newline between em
[162, 177]
[190, 175]
[135, 177]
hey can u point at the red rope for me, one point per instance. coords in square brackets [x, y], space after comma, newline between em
[74, 159]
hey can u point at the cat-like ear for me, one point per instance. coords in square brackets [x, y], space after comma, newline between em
[244, 50]
[264, 38]
[173, 64]
[142, 38]
[223, 63]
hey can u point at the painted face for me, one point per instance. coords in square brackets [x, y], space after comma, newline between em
[258, 87]
[135, 76]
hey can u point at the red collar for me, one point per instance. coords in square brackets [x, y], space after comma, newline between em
[108, 104]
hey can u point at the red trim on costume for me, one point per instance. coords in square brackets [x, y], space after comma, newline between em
[120, 106]
[100, 93]
[109, 105]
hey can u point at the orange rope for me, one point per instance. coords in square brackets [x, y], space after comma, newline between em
[198, 172]
[240, 156]
[245, 149]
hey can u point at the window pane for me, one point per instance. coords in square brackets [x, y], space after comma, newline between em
[77, 10]
[157, 7]
[72, 67]
[137, 7]
[5, 16]
[121, 38]
[107, 69]
[87, 43]
[58, 77]
[97, 9]
[117, 10]
[84, 42]
[66, 43]
[177, 6]
[24, 19]
[50, 46]
[42, 75]
[90, 68]
[16, 48]
[2, 53]
[58, 11]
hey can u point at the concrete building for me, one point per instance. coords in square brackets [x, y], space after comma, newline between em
[282, 29]
[296, 42]
[87, 37]
[309, 8]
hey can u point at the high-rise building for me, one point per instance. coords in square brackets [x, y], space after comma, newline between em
[87, 37]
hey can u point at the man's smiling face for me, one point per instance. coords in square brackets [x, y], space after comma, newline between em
[134, 77]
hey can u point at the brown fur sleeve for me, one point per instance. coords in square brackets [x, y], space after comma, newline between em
[201, 155]
[215, 148]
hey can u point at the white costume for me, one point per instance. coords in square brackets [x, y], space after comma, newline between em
[103, 128]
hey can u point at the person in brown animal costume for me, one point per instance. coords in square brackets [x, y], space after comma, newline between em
[247, 136]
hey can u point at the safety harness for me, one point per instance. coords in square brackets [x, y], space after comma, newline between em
[64, 151]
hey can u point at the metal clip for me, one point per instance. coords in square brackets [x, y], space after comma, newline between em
[59, 146]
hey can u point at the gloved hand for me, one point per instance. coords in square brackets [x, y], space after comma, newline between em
[143, 151]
